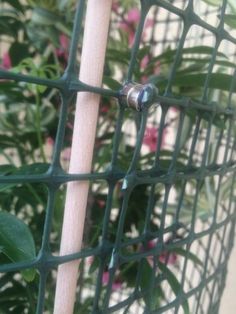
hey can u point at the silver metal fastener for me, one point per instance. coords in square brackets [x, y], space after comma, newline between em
[138, 96]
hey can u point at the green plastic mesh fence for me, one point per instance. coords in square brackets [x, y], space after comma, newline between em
[161, 211]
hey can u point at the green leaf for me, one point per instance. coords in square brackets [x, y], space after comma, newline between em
[18, 52]
[214, 3]
[17, 242]
[189, 255]
[232, 5]
[15, 4]
[202, 211]
[62, 4]
[6, 170]
[111, 83]
[175, 285]
[206, 61]
[147, 274]
[94, 266]
[118, 55]
[152, 297]
[230, 20]
[146, 278]
[225, 188]
[219, 81]
[43, 17]
[198, 50]
[186, 130]
[36, 168]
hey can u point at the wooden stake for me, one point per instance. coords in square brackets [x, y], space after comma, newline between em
[87, 105]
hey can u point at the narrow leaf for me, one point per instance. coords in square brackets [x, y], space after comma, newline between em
[146, 279]
[219, 81]
[189, 255]
[230, 20]
[17, 242]
[175, 285]
[214, 3]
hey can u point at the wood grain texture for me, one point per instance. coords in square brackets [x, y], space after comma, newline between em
[87, 106]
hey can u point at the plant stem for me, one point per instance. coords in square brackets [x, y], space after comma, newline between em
[38, 128]
[30, 298]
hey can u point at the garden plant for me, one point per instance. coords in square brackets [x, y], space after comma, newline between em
[160, 215]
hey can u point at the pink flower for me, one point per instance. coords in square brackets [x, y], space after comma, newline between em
[50, 141]
[151, 244]
[64, 42]
[6, 61]
[101, 203]
[151, 137]
[63, 51]
[115, 7]
[104, 109]
[115, 285]
[133, 16]
[156, 70]
[149, 23]
[90, 260]
[105, 278]
[143, 65]
[66, 154]
[130, 31]
[129, 24]
[169, 258]
[70, 125]
[174, 109]
[145, 61]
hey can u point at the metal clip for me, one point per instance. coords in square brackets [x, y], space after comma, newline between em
[138, 96]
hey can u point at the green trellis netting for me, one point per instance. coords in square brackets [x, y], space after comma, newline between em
[173, 258]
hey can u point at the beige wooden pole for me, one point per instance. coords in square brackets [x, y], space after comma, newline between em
[87, 105]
